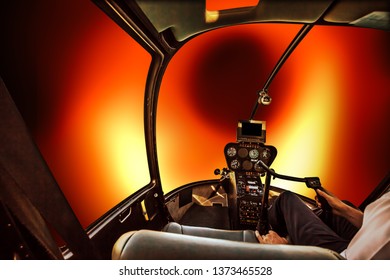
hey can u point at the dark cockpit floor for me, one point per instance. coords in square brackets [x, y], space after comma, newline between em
[207, 216]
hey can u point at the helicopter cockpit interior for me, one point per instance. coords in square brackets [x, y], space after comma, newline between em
[56, 204]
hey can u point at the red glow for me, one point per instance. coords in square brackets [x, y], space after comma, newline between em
[217, 5]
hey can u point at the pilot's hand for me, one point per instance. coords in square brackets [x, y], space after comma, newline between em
[334, 202]
[271, 238]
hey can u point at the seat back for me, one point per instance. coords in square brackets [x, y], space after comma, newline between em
[234, 235]
[153, 245]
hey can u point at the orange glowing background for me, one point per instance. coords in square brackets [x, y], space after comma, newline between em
[329, 116]
[95, 145]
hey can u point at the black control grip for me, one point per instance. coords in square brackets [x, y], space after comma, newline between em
[315, 184]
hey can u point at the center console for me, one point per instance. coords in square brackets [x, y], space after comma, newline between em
[242, 159]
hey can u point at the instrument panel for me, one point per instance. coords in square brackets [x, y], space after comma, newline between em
[242, 156]
[242, 159]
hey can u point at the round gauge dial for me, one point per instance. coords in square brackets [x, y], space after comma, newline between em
[243, 152]
[258, 168]
[231, 151]
[235, 164]
[254, 153]
[247, 165]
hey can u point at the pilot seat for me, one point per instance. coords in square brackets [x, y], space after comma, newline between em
[177, 241]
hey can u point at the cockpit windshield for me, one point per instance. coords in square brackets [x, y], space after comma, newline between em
[142, 118]
[314, 120]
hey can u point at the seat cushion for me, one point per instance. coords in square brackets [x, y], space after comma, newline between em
[234, 235]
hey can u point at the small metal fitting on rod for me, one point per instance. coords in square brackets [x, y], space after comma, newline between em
[264, 98]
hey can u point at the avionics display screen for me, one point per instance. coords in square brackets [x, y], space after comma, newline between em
[251, 131]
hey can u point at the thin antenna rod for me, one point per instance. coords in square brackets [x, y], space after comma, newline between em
[294, 43]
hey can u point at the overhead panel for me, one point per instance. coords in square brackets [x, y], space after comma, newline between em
[188, 18]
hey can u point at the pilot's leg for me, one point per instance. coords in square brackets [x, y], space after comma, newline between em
[288, 215]
[342, 226]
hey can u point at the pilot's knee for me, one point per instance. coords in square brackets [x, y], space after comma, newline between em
[287, 197]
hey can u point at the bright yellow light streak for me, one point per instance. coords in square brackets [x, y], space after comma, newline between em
[221, 195]
[201, 200]
[121, 146]
[144, 212]
[305, 149]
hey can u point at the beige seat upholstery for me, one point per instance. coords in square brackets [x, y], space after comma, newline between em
[234, 235]
[158, 245]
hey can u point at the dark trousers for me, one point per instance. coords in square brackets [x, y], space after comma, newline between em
[289, 216]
